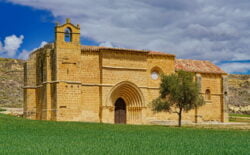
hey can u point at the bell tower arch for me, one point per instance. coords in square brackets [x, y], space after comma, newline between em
[67, 35]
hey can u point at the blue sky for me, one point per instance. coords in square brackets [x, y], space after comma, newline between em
[34, 24]
[218, 31]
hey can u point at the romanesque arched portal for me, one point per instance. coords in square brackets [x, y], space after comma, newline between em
[133, 98]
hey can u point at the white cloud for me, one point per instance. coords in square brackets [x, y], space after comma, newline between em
[43, 43]
[25, 54]
[236, 67]
[197, 29]
[11, 45]
[106, 44]
[1, 47]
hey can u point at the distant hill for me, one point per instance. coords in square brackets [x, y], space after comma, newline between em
[239, 93]
[11, 82]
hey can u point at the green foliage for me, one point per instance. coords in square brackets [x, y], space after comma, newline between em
[178, 90]
[159, 104]
[21, 136]
[2, 109]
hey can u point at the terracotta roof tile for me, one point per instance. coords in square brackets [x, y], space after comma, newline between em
[198, 66]
[90, 48]
[160, 53]
[97, 48]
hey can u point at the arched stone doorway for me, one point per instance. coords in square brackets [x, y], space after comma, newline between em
[132, 98]
[120, 111]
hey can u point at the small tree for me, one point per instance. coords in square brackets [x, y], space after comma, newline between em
[178, 92]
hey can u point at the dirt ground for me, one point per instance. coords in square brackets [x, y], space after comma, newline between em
[208, 125]
[12, 111]
[230, 125]
[205, 125]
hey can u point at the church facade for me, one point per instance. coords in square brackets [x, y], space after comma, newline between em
[67, 81]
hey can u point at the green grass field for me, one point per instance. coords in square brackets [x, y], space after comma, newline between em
[239, 115]
[21, 136]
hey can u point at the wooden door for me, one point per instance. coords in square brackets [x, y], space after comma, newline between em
[120, 111]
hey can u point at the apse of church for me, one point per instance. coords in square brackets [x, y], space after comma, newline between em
[67, 81]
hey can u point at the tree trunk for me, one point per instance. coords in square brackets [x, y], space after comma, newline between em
[180, 117]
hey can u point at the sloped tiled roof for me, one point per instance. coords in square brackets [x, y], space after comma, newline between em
[159, 53]
[97, 48]
[197, 66]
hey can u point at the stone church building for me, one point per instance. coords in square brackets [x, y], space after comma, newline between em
[67, 81]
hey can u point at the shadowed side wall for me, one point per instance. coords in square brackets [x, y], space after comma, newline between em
[37, 85]
[30, 87]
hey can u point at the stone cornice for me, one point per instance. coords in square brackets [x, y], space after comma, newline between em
[124, 68]
[218, 94]
[82, 84]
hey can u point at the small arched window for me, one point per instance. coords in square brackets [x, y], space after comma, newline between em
[155, 73]
[41, 71]
[207, 95]
[67, 35]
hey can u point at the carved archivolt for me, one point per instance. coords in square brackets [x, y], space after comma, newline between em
[129, 92]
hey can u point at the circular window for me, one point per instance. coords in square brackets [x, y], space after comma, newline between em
[154, 75]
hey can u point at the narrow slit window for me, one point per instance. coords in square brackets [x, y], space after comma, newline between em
[67, 35]
[41, 71]
[207, 95]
